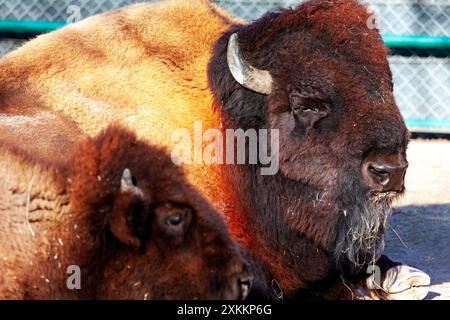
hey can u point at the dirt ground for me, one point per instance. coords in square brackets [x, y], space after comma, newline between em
[422, 218]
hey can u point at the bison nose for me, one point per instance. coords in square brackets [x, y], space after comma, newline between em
[243, 283]
[385, 173]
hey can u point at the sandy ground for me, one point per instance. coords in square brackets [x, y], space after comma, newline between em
[422, 217]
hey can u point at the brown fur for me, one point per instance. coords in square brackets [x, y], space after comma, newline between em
[317, 211]
[146, 66]
[70, 211]
[130, 65]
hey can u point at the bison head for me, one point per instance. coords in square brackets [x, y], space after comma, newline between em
[321, 76]
[160, 238]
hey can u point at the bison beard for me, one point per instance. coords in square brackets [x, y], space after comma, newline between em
[360, 236]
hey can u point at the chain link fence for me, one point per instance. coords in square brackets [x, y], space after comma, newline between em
[421, 77]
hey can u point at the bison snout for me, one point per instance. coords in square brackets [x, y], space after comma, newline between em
[240, 285]
[385, 172]
[244, 283]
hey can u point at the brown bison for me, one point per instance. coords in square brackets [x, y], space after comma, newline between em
[112, 208]
[316, 73]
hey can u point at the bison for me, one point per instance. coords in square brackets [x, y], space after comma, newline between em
[317, 74]
[114, 209]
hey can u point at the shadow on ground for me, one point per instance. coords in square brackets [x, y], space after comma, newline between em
[423, 241]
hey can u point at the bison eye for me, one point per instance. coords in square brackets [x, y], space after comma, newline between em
[174, 220]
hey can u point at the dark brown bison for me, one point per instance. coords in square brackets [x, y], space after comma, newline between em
[316, 73]
[117, 211]
[321, 77]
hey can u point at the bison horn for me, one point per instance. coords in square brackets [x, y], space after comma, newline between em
[127, 185]
[251, 78]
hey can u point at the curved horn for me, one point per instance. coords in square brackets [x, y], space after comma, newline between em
[126, 184]
[251, 78]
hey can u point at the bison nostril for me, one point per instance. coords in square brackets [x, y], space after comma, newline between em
[244, 284]
[385, 178]
[384, 171]
[380, 173]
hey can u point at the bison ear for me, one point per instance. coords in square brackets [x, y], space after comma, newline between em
[307, 111]
[129, 217]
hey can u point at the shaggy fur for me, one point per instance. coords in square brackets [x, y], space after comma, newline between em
[319, 194]
[162, 66]
[71, 211]
[144, 66]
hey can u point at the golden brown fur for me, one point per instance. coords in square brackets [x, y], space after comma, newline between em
[144, 65]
